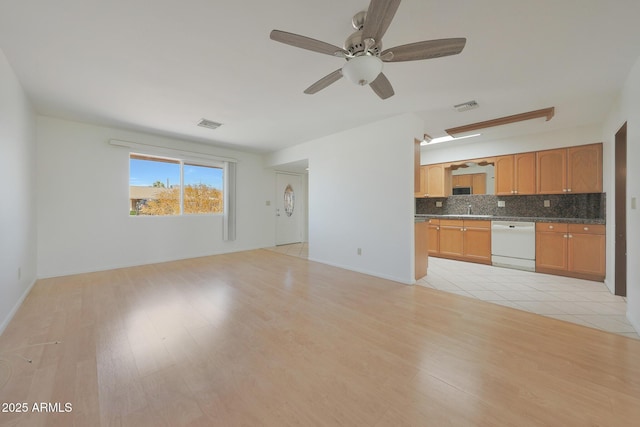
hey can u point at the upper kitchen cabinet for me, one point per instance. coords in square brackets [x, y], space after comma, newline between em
[471, 183]
[584, 169]
[472, 176]
[462, 180]
[438, 180]
[515, 174]
[421, 188]
[570, 170]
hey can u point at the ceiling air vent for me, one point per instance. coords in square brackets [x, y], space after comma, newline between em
[209, 124]
[465, 106]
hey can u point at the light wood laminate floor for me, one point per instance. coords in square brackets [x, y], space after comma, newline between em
[259, 338]
[578, 301]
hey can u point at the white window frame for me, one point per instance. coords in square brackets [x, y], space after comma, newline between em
[189, 162]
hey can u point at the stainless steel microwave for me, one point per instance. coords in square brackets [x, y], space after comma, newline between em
[461, 190]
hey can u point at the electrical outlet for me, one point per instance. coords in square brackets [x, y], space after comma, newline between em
[438, 204]
[359, 251]
[547, 203]
[501, 203]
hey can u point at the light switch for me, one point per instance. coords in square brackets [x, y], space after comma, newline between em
[547, 203]
[634, 204]
[268, 202]
[438, 204]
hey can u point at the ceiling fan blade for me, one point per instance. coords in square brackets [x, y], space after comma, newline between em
[324, 82]
[307, 43]
[382, 87]
[379, 16]
[424, 50]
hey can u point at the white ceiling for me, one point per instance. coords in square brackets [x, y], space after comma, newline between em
[162, 65]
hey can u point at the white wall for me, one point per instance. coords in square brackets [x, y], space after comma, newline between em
[18, 189]
[83, 202]
[361, 196]
[627, 109]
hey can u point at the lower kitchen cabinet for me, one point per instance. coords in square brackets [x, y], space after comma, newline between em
[434, 237]
[477, 241]
[465, 240]
[575, 250]
[421, 248]
[587, 254]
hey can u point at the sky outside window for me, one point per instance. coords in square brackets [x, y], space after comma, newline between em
[147, 172]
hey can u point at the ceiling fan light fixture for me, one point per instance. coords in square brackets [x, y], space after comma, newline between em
[362, 69]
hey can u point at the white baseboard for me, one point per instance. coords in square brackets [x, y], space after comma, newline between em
[14, 310]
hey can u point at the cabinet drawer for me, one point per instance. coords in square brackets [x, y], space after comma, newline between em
[434, 221]
[477, 223]
[587, 228]
[552, 226]
[451, 222]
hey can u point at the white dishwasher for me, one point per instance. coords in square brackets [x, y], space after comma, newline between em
[513, 244]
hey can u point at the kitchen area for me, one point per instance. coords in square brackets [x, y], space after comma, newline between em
[496, 228]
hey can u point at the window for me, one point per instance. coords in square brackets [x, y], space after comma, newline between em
[164, 186]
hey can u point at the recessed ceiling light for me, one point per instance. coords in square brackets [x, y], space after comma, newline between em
[209, 124]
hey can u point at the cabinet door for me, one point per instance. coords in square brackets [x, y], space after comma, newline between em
[587, 249]
[551, 250]
[551, 171]
[479, 183]
[525, 173]
[451, 238]
[504, 173]
[462, 180]
[421, 190]
[477, 241]
[584, 169]
[421, 248]
[434, 237]
[587, 254]
[438, 181]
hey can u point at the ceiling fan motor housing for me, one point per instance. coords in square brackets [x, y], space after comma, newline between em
[354, 44]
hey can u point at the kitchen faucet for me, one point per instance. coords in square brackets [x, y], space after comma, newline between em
[469, 210]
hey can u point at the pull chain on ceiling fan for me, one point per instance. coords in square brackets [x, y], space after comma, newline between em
[363, 49]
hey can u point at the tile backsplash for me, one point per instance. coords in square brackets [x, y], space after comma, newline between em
[586, 206]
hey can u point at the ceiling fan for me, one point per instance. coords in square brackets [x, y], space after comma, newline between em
[363, 49]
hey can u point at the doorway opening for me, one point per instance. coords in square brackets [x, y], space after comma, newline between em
[621, 211]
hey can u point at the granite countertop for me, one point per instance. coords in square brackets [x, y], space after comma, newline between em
[514, 218]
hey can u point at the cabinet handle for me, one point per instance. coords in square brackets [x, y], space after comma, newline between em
[564, 190]
[551, 227]
[565, 236]
[511, 191]
[586, 228]
[571, 236]
[515, 191]
[437, 228]
[569, 190]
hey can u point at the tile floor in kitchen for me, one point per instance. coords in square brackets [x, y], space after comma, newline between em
[573, 300]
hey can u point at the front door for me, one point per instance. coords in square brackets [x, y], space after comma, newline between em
[288, 212]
